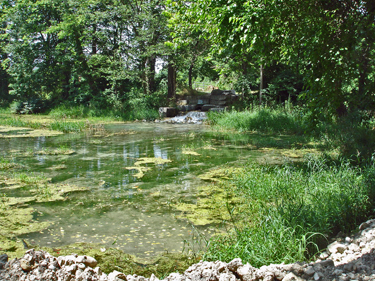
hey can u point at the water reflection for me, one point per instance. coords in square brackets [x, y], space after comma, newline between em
[136, 212]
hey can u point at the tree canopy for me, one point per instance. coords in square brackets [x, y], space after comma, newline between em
[331, 43]
[103, 50]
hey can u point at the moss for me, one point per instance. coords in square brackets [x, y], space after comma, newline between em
[58, 167]
[10, 165]
[213, 200]
[140, 170]
[211, 206]
[52, 192]
[21, 132]
[58, 151]
[189, 152]
[14, 248]
[219, 174]
[11, 201]
[144, 161]
[153, 160]
[274, 156]
[18, 221]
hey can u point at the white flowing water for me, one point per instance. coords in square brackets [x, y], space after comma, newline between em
[192, 117]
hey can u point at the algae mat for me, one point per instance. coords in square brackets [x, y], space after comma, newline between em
[147, 190]
[23, 132]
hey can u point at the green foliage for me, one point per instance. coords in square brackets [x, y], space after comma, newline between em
[263, 120]
[33, 105]
[64, 111]
[289, 210]
[93, 56]
[67, 127]
[330, 43]
[352, 135]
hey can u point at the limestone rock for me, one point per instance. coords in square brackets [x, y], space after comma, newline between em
[336, 247]
[3, 260]
[116, 276]
[292, 277]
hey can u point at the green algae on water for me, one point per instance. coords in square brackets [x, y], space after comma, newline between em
[219, 174]
[144, 161]
[18, 221]
[22, 132]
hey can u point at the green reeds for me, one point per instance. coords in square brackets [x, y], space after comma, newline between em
[261, 120]
[290, 210]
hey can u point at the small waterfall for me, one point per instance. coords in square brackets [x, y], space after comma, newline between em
[192, 117]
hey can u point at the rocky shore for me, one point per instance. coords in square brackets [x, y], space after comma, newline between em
[353, 258]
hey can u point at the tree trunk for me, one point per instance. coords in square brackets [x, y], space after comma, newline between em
[4, 90]
[191, 75]
[94, 41]
[261, 84]
[151, 74]
[362, 79]
[86, 72]
[171, 81]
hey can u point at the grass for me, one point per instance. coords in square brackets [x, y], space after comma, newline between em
[292, 210]
[263, 120]
[69, 119]
[80, 111]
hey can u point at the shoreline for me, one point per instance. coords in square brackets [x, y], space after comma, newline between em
[351, 258]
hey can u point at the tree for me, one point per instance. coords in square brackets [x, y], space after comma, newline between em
[90, 51]
[330, 43]
[4, 79]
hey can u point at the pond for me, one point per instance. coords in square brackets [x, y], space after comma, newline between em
[135, 174]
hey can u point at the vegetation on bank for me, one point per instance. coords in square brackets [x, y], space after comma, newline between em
[115, 62]
[288, 213]
[292, 210]
[280, 212]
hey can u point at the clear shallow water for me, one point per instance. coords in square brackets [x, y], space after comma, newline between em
[121, 210]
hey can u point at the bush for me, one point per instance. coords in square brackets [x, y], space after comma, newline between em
[33, 105]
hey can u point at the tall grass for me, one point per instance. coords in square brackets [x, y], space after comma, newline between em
[352, 136]
[67, 127]
[262, 120]
[80, 111]
[289, 210]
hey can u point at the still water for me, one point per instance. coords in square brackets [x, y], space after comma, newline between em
[121, 209]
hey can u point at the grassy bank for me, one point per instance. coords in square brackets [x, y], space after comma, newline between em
[292, 210]
[69, 119]
[262, 120]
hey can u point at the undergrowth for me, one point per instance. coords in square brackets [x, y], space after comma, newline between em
[262, 120]
[292, 210]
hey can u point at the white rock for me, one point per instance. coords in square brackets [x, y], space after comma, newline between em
[227, 276]
[348, 240]
[246, 272]
[336, 247]
[234, 264]
[175, 277]
[115, 275]
[291, 277]
[153, 278]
